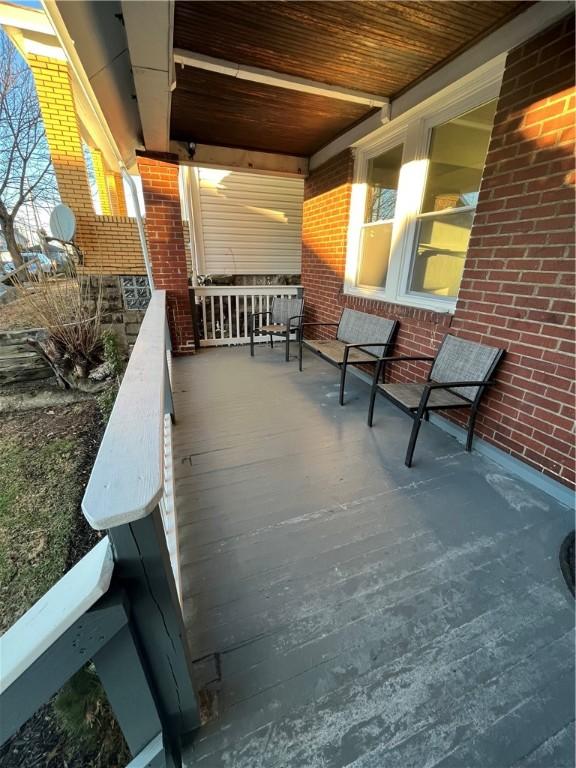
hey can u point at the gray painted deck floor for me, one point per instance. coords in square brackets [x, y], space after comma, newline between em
[364, 614]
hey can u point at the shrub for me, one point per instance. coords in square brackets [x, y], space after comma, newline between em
[70, 311]
[112, 354]
[115, 361]
[87, 721]
[106, 400]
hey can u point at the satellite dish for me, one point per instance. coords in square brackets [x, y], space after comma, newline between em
[63, 223]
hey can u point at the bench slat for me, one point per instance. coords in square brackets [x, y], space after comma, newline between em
[334, 351]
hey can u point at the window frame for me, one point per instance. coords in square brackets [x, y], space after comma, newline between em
[413, 130]
[389, 145]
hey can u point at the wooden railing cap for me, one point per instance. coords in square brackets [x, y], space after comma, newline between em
[128, 475]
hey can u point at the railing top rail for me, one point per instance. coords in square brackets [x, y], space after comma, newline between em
[127, 479]
[55, 612]
[246, 290]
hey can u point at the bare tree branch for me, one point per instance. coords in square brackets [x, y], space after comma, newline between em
[26, 172]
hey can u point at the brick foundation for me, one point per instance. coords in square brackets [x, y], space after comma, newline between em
[518, 284]
[166, 246]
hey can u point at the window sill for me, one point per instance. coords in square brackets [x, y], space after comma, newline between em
[437, 307]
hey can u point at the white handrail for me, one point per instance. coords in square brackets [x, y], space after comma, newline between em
[247, 290]
[127, 480]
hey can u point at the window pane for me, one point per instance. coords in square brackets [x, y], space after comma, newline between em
[374, 255]
[457, 155]
[440, 252]
[383, 172]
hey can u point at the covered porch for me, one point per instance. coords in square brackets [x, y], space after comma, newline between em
[335, 608]
[275, 588]
[347, 610]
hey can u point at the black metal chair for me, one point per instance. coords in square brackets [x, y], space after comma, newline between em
[284, 317]
[461, 365]
[355, 332]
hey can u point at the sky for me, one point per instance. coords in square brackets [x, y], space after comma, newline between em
[34, 216]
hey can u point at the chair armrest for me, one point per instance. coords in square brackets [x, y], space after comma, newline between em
[405, 357]
[318, 324]
[430, 385]
[361, 344]
[252, 316]
[294, 317]
[455, 384]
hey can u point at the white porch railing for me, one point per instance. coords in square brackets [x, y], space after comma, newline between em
[224, 311]
[118, 607]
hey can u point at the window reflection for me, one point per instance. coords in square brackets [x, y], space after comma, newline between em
[376, 235]
[456, 161]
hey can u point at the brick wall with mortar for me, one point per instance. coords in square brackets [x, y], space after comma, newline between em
[115, 187]
[518, 285]
[167, 249]
[110, 243]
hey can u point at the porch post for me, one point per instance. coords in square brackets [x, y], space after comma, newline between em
[143, 570]
[159, 174]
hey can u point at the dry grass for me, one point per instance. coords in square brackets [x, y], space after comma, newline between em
[19, 314]
[70, 310]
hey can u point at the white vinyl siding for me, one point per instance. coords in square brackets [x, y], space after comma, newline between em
[251, 224]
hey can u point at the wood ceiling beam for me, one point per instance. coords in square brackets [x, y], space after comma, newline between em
[232, 158]
[277, 79]
[149, 32]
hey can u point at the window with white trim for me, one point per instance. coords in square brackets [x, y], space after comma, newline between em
[413, 202]
[376, 231]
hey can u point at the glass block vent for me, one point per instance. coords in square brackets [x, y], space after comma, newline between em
[136, 292]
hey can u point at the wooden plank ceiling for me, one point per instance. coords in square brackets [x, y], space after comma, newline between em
[377, 47]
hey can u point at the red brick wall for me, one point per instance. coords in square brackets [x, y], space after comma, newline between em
[166, 244]
[518, 285]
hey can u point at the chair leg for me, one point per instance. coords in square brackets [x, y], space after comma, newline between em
[470, 436]
[373, 394]
[418, 417]
[288, 347]
[342, 383]
[271, 342]
[251, 342]
[300, 353]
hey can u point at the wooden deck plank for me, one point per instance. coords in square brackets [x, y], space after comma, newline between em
[364, 614]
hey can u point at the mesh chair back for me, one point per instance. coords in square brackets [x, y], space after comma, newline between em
[356, 327]
[285, 307]
[461, 360]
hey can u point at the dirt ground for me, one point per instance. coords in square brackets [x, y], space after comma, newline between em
[46, 455]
